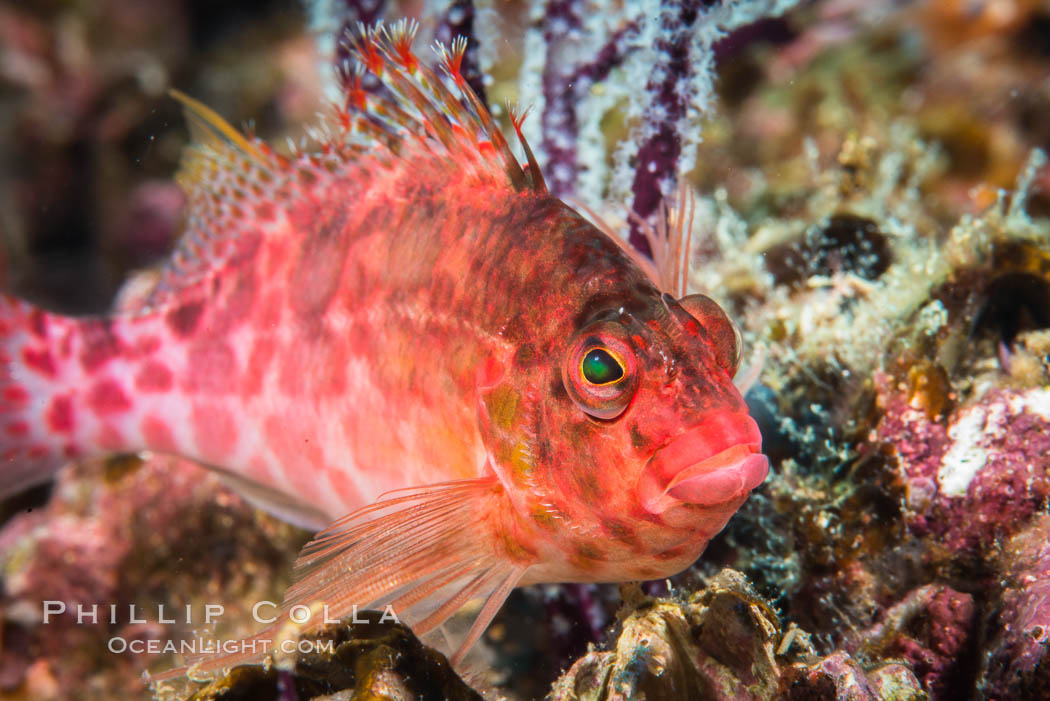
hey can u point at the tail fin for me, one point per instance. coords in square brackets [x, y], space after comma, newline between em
[35, 420]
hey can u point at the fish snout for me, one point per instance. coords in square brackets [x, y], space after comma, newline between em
[718, 461]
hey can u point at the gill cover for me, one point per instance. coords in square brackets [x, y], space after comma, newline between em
[719, 329]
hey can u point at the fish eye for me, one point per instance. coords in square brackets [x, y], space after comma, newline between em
[600, 370]
[600, 367]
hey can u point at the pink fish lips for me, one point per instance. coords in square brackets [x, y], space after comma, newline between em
[717, 462]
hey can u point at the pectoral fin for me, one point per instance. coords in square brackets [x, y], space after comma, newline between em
[424, 552]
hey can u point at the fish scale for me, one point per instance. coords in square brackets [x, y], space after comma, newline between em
[386, 336]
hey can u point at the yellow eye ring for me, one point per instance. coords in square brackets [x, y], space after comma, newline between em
[601, 366]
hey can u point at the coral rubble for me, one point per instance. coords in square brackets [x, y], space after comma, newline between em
[725, 642]
[370, 659]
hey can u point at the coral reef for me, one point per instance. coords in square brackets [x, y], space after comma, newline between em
[901, 307]
[717, 645]
[929, 628]
[1015, 664]
[117, 541]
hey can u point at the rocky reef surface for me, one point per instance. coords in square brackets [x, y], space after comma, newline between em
[872, 206]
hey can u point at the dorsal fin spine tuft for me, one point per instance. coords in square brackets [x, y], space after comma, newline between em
[453, 59]
[366, 47]
[412, 100]
[401, 35]
[535, 174]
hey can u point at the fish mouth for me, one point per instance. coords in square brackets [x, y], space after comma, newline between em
[718, 461]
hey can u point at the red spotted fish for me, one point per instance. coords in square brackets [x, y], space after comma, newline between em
[402, 334]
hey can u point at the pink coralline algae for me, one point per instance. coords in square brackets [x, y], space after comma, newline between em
[977, 475]
[930, 629]
[840, 677]
[1017, 664]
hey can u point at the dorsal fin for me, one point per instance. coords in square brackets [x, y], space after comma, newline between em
[534, 166]
[209, 129]
[223, 172]
[398, 114]
[411, 103]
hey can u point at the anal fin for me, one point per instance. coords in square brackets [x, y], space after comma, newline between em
[275, 502]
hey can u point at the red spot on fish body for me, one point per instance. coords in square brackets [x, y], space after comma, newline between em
[65, 346]
[38, 324]
[332, 381]
[316, 274]
[237, 306]
[341, 482]
[183, 319]
[110, 438]
[292, 445]
[15, 394]
[360, 343]
[270, 311]
[153, 377]
[17, 429]
[258, 365]
[293, 374]
[146, 346]
[100, 345]
[246, 248]
[259, 469]
[264, 211]
[215, 431]
[158, 435]
[315, 373]
[107, 397]
[212, 368]
[40, 361]
[280, 252]
[59, 415]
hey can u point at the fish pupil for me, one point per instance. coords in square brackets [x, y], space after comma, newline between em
[600, 368]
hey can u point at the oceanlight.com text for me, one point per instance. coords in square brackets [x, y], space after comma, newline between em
[199, 646]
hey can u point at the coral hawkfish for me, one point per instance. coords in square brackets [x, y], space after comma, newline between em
[403, 330]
